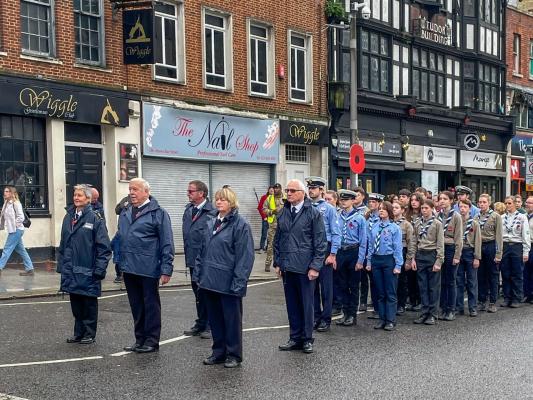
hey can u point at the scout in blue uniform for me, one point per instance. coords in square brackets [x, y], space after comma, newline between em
[464, 193]
[324, 286]
[350, 256]
[385, 260]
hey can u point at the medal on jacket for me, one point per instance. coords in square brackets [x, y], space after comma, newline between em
[468, 226]
[483, 221]
[425, 227]
[509, 227]
[448, 218]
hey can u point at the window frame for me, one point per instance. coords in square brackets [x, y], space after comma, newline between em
[531, 58]
[51, 30]
[516, 53]
[270, 57]
[402, 66]
[101, 36]
[308, 65]
[429, 72]
[228, 50]
[382, 58]
[484, 83]
[181, 64]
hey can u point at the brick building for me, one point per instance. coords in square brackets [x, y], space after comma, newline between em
[237, 96]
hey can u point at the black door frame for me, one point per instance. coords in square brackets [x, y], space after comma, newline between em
[99, 148]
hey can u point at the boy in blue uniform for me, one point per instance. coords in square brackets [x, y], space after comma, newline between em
[350, 256]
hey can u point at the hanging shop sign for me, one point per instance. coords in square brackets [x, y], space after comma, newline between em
[519, 144]
[481, 160]
[303, 133]
[129, 161]
[137, 36]
[176, 133]
[472, 141]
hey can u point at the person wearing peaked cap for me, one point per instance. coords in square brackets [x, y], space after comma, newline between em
[463, 193]
[324, 287]
[345, 194]
[376, 196]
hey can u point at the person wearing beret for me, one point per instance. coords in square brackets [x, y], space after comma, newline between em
[463, 193]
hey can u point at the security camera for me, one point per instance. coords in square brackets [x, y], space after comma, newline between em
[365, 12]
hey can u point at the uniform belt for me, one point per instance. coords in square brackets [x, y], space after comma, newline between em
[488, 241]
[349, 246]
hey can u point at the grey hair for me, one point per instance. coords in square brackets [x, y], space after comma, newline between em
[86, 189]
[300, 184]
[141, 181]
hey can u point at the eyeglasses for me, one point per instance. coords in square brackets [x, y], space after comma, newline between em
[293, 190]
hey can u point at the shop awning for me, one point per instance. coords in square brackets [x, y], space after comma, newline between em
[485, 172]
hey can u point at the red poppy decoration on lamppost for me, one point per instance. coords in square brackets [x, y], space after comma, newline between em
[357, 159]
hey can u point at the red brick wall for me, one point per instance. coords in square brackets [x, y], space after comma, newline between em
[305, 16]
[522, 24]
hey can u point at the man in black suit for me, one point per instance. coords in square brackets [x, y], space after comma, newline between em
[195, 218]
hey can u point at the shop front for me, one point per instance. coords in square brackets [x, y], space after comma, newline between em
[53, 136]
[183, 145]
[483, 173]
[519, 146]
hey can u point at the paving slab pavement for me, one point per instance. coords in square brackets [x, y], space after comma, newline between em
[45, 281]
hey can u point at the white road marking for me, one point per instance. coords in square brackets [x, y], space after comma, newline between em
[4, 396]
[51, 362]
[265, 328]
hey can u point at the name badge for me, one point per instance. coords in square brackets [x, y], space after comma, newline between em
[88, 225]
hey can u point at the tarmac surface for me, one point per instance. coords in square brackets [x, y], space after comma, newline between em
[488, 357]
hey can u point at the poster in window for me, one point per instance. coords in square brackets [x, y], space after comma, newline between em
[129, 165]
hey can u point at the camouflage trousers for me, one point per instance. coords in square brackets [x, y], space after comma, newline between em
[270, 244]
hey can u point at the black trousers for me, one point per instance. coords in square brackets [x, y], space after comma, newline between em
[143, 295]
[428, 281]
[85, 311]
[349, 280]
[512, 269]
[225, 317]
[299, 296]
[201, 309]
[403, 284]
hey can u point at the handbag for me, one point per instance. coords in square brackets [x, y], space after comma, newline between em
[27, 221]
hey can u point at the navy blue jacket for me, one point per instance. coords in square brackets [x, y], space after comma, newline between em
[300, 244]
[84, 253]
[193, 231]
[98, 208]
[146, 243]
[227, 257]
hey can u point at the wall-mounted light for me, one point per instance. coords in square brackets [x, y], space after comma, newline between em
[381, 143]
[405, 144]
[483, 138]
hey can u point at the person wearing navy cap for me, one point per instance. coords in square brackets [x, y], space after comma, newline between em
[350, 256]
[324, 286]
[463, 193]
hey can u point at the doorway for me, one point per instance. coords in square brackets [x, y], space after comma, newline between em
[83, 165]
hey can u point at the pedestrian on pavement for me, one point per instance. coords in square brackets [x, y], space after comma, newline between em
[453, 248]
[385, 260]
[426, 255]
[11, 219]
[84, 253]
[264, 219]
[324, 284]
[222, 270]
[407, 233]
[463, 193]
[350, 257]
[528, 268]
[194, 224]
[516, 246]
[96, 205]
[332, 198]
[490, 224]
[147, 253]
[470, 257]
[273, 205]
[299, 251]
[412, 215]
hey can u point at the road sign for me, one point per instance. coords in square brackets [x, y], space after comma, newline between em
[357, 159]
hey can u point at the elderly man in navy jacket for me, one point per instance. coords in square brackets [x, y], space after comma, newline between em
[299, 250]
[147, 253]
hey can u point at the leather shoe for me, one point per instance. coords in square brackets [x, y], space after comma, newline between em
[146, 349]
[205, 335]
[380, 325]
[307, 348]
[389, 327]
[194, 331]
[315, 325]
[349, 321]
[430, 321]
[290, 345]
[421, 319]
[231, 363]
[473, 313]
[212, 360]
[87, 340]
[373, 315]
[74, 339]
[132, 347]
[322, 327]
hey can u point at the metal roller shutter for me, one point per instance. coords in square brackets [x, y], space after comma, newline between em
[168, 181]
[243, 179]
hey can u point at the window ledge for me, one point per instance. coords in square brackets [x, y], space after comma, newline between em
[49, 60]
[518, 75]
[172, 81]
[92, 67]
[218, 89]
[264, 96]
[303, 103]
[531, 77]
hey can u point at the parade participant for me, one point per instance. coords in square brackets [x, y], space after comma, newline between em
[194, 222]
[359, 203]
[463, 193]
[500, 207]
[404, 196]
[222, 270]
[84, 253]
[273, 205]
[391, 198]
[299, 251]
[407, 233]
[490, 224]
[372, 217]
[470, 256]
[453, 247]
[423, 191]
[516, 246]
[385, 260]
[351, 256]
[426, 255]
[412, 215]
[324, 284]
[519, 203]
[528, 268]
[145, 225]
[96, 205]
[332, 198]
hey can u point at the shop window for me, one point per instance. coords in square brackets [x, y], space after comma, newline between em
[428, 76]
[261, 60]
[217, 50]
[516, 54]
[169, 42]
[375, 62]
[89, 31]
[300, 67]
[296, 153]
[23, 159]
[36, 19]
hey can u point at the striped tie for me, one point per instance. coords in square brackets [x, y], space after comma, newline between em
[377, 241]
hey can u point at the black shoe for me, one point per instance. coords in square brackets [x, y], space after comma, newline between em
[430, 321]
[400, 311]
[74, 339]
[212, 360]
[389, 326]
[349, 321]
[514, 305]
[118, 279]
[363, 307]
[322, 327]
[482, 307]
[473, 313]
[206, 335]
[88, 340]
[417, 308]
[307, 348]
[380, 325]
[421, 319]
[373, 315]
[132, 347]
[506, 304]
[232, 363]
[194, 331]
[341, 320]
[146, 349]
[335, 312]
[315, 325]
[290, 345]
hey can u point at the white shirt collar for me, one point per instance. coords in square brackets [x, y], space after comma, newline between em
[145, 203]
[201, 205]
[298, 206]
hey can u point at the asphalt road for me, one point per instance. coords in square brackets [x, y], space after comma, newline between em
[488, 357]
